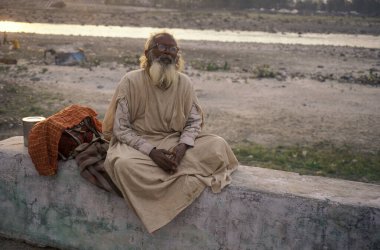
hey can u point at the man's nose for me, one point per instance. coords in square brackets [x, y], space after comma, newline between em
[167, 51]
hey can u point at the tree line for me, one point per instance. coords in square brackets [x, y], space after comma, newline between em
[369, 7]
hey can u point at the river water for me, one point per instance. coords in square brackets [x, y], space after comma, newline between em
[364, 41]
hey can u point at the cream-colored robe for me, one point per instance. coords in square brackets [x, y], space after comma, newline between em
[159, 116]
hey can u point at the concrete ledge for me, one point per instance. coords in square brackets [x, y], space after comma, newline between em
[261, 209]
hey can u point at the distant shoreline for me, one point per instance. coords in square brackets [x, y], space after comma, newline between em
[245, 20]
[313, 39]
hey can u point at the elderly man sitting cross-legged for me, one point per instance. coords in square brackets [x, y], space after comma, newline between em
[158, 157]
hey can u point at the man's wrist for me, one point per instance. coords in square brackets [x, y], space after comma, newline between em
[152, 152]
[184, 145]
[187, 140]
[146, 148]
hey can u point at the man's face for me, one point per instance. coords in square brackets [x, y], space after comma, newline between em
[164, 50]
[162, 56]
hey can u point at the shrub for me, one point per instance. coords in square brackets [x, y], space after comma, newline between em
[263, 71]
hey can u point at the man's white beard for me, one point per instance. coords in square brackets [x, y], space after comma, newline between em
[163, 76]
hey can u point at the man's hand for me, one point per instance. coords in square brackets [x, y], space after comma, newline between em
[164, 159]
[179, 152]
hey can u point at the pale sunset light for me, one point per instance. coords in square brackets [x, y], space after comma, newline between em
[8, 26]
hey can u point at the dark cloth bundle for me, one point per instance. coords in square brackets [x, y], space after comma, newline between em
[90, 159]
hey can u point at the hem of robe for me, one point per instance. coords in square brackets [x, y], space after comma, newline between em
[227, 180]
[153, 229]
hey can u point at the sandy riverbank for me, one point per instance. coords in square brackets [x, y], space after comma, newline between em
[315, 93]
[313, 97]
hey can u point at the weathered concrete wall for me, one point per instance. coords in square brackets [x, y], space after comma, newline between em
[261, 209]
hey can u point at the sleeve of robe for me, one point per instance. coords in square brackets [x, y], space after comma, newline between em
[192, 127]
[124, 132]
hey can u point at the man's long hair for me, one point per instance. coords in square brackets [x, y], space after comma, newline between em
[144, 61]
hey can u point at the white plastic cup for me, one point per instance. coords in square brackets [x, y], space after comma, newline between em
[27, 124]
